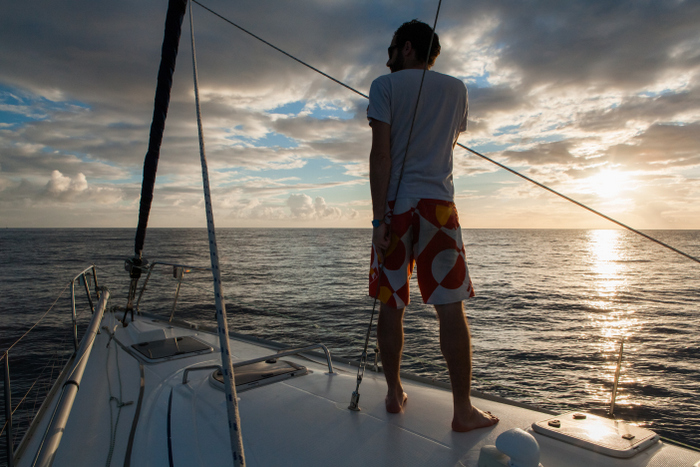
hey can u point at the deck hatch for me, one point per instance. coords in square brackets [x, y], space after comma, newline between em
[609, 437]
[261, 373]
[172, 347]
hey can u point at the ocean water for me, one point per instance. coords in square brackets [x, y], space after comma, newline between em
[551, 309]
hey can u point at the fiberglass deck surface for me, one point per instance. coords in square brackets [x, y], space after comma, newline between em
[303, 421]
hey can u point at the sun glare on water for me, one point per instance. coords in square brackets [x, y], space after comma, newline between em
[611, 320]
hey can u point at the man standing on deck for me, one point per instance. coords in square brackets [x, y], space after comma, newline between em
[415, 219]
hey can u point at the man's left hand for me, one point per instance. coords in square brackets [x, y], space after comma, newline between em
[381, 236]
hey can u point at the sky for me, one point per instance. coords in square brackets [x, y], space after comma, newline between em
[598, 100]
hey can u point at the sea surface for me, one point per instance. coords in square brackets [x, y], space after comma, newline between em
[551, 310]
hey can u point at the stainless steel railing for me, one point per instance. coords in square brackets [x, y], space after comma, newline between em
[84, 277]
[54, 433]
[179, 271]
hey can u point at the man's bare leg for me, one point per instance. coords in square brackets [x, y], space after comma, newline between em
[455, 343]
[390, 339]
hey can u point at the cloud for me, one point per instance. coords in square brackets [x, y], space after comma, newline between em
[59, 184]
[303, 207]
[562, 89]
[563, 43]
[661, 145]
[544, 153]
[60, 190]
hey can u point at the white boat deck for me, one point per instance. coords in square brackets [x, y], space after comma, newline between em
[303, 420]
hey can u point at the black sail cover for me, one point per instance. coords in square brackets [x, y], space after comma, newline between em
[171, 41]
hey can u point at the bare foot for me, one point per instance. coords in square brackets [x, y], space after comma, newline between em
[395, 404]
[476, 419]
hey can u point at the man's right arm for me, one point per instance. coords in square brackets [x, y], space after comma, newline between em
[379, 175]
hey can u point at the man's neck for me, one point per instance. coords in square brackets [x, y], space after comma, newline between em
[411, 64]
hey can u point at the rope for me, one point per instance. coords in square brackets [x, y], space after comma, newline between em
[415, 110]
[234, 420]
[363, 359]
[659, 242]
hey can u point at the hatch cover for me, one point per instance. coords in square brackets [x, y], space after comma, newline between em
[172, 347]
[261, 373]
[609, 437]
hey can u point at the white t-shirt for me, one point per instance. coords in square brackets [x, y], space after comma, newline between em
[441, 117]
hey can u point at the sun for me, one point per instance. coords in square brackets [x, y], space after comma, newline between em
[608, 183]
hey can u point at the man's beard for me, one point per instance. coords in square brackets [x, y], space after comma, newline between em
[398, 63]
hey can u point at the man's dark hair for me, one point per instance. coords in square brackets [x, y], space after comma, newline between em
[418, 34]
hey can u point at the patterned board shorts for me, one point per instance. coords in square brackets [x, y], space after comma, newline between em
[424, 232]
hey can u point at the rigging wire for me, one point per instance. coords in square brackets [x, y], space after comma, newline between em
[39, 379]
[281, 51]
[51, 363]
[525, 177]
[631, 229]
[35, 324]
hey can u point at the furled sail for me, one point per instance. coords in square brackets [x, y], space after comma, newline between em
[171, 41]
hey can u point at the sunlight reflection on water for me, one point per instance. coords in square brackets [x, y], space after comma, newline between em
[617, 322]
[606, 265]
